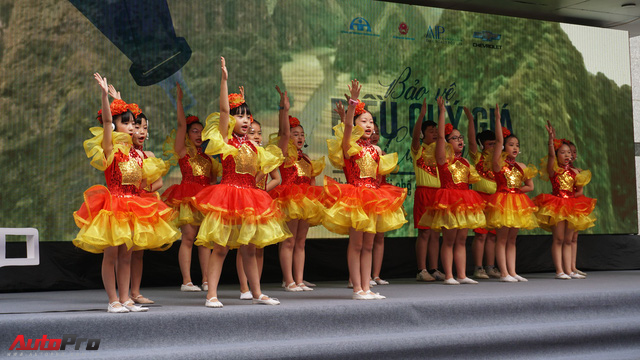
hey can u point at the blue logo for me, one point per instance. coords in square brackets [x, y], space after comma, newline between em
[360, 24]
[486, 35]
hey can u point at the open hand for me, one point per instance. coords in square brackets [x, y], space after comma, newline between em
[354, 89]
[102, 82]
[113, 93]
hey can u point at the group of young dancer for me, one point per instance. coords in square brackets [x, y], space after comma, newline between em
[268, 195]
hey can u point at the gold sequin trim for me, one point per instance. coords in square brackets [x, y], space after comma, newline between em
[246, 160]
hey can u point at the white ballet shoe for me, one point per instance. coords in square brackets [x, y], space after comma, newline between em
[213, 303]
[265, 300]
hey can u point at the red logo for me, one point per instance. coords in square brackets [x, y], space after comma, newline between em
[54, 344]
[403, 28]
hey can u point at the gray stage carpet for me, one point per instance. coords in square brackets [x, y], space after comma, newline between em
[596, 318]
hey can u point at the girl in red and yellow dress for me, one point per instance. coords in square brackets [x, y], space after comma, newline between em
[574, 241]
[155, 168]
[509, 209]
[484, 240]
[198, 171]
[562, 212]
[456, 208]
[427, 184]
[263, 183]
[297, 195]
[361, 208]
[236, 213]
[120, 218]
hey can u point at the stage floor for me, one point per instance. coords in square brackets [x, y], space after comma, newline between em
[416, 320]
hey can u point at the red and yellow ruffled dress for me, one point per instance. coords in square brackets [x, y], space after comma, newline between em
[562, 204]
[455, 205]
[235, 211]
[122, 213]
[361, 203]
[427, 181]
[509, 206]
[487, 184]
[297, 198]
[196, 168]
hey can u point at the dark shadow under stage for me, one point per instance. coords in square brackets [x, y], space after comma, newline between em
[596, 318]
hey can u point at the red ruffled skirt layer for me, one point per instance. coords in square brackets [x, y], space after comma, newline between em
[484, 197]
[139, 222]
[423, 199]
[511, 210]
[300, 201]
[236, 216]
[554, 209]
[455, 209]
[362, 208]
[181, 198]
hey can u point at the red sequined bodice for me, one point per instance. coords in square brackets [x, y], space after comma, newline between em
[430, 169]
[202, 166]
[563, 183]
[298, 172]
[362, 169]
[489, 175]
[458, 179]
[247, 162]
[509, 178]
[124, 175]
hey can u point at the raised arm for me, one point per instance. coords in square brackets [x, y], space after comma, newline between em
[552, 151]
[417, 128]
[114, 93]
[284, 131]
[181, 132]
[441, 142]
[224, 101]
[354, 89]
[497, 149]
[340, 111]
[107, 119]
[471, 131]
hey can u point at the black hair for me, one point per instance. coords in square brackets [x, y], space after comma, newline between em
[512, 135]
[139, 118]
[428, 123]
[257, 122]
[486, 135]
[240, 110]
[125, 117]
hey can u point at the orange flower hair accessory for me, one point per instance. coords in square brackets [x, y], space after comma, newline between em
[505, 132]
[118, 107]
[191, 119]
[360, 108]
[293, 122]
[448, 129]
[559, 142]
[134, 108]
[235, 100]
[99, 117]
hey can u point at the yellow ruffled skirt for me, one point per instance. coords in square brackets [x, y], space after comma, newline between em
[362, 208]
[512, 210]
[554, 209]
[455, 209]
[300, 201]
[139, 222]
[236, 216]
